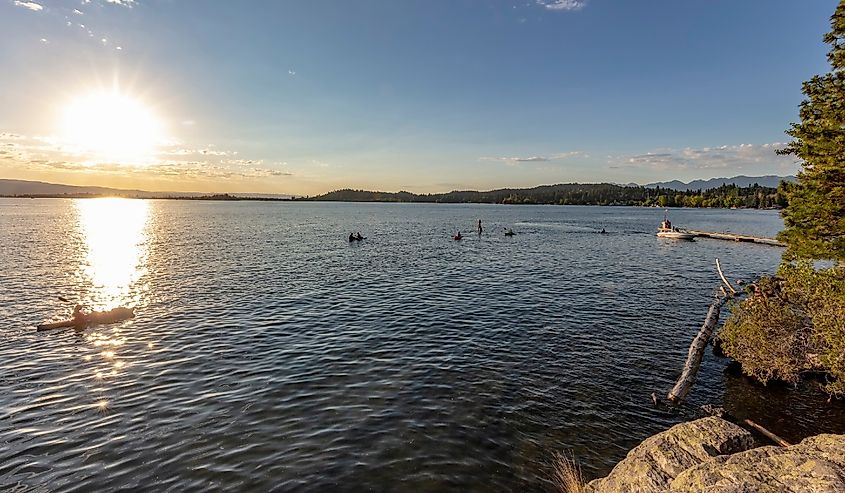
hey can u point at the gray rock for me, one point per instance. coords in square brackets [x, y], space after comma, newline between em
[816, 465]
[652, 465]
[711, 455]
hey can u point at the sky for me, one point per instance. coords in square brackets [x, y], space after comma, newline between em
[303, 97]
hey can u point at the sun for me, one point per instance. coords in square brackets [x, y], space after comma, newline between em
[110, 127]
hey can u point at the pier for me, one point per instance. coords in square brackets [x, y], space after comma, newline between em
[736, 237]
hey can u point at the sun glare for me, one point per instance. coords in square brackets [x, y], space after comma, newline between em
[114, 231]
[111, 127]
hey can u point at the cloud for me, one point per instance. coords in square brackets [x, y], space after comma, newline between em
[513, 160]
[243, 162]
[209, 170]
[122, 3]
[562, 5]
[207, 151]
[35, 7]
[44, 154]
[739, 156]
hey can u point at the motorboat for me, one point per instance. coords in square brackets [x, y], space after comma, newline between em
[666, 230]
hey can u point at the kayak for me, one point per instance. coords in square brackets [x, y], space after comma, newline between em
[509, 233]
[94, 318]
[457, 238]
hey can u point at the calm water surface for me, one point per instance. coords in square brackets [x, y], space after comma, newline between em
[271, 354]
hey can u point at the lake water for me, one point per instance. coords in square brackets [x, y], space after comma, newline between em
[269, 353]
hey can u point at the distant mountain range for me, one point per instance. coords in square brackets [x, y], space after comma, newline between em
[770, 181]
[11, 188]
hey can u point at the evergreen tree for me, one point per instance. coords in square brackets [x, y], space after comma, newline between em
[815, 215]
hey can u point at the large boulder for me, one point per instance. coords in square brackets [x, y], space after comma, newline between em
[816, 465]
[652, 465]
[711, 455]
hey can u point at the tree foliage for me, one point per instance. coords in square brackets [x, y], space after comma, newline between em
[795, 322]
[815, 216]
[754, 196]
[791, 324]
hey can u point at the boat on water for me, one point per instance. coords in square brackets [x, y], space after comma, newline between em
[93, 318]
[666, 230]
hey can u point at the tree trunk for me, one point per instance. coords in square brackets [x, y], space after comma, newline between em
[696, 352]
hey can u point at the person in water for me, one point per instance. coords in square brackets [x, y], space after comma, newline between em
[351, 237]
[480, 229]
[79, 316]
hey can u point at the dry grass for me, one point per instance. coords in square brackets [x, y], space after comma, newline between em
[567, 474]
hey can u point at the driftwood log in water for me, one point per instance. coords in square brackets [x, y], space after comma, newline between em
[696, 352]
[699, 344]
[768, 434]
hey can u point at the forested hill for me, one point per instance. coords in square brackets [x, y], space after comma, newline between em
[754, 196]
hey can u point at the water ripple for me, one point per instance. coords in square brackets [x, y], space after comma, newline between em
[271, 354]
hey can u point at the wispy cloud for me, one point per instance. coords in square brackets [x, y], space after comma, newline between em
[513, 160]
[35, 7]
[737, 157]
[562, 5]
[122, 3]
[244, 162]
[205, 151]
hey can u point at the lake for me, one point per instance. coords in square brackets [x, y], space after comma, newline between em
[269, 353]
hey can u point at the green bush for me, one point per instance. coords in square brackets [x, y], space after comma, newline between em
[790, 324]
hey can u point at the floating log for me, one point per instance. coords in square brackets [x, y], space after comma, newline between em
[720, 412]
[696, 352]
[768, 434]
[735, 237]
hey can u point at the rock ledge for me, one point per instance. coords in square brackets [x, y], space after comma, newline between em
[715, 456]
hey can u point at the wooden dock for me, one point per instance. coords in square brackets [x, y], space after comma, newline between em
[735, 237]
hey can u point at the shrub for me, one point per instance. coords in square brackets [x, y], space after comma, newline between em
[790, 324]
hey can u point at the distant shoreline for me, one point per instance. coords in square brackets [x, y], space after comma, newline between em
[234, 198]
[215, 197]
[741, 192]
[727, 196]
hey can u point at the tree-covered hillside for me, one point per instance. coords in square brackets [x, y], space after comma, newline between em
[754, 196]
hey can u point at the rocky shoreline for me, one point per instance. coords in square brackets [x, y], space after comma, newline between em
[716, 456]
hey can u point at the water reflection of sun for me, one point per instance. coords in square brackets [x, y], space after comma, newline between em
[114, 230]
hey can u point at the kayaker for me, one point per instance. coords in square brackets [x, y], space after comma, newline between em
[603, 231]
[351, 237]
[458, 236]
[358, 236]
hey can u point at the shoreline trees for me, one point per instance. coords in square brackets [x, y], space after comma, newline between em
[794, 323]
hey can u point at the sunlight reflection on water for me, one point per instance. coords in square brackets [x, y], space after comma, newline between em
[115, 236]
